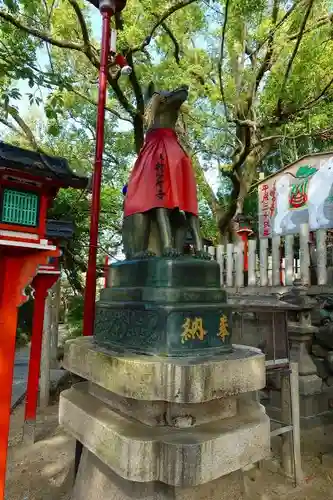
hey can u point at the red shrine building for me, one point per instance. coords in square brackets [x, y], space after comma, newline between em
[29, 183]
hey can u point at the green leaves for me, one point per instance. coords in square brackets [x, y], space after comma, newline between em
[266, 105]
[12, 5]
[53, 129]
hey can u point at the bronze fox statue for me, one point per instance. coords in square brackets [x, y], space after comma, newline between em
[160, 202]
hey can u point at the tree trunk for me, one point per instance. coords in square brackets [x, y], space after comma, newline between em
[138, 133]
[243, 190]
[242, 179]
[72, 272]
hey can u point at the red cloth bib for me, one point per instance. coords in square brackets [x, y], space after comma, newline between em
[162, 176]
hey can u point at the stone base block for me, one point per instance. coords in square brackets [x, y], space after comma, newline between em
[310, 384]
[178, 457]
[178, 380]
[96, 481]
[161, 413]
[164, 307]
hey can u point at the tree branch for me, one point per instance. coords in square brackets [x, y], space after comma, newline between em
[64, 44]
[293, 55]
[83, 25]
[277, 26]
[23, 125]
[140, 106]
[245, 123]
[220, 62]
[311, 103]
[284, 117]
[11, 126]
[136, 86]
[115, 87]
[49, 14]
[159, 22]
[266, 64]
[297, 136]
[28, 134]
[320, 22]
[138, 118]
[121, 97]
[88, 99]
[174, 40]
[206, 188]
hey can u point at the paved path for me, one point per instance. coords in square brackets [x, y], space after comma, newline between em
[20, 375]
[21, 369]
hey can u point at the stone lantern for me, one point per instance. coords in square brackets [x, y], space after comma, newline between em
[300, 333]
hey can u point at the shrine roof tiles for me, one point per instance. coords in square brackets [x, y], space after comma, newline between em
[40, 165]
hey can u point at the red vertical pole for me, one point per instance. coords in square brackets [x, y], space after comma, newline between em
[16, 271]
[8, 325]
[90, 291]
[245, 239]
[281, 269]
[41, 284]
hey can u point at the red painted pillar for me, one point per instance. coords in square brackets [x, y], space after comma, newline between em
[244, 234]
[90, 292]
[16, 270]
[281, 268]
[41, 284]
[8, 326]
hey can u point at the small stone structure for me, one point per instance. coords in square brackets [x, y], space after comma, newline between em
[167, 407]
[300, 333]
[261, 322]
[321, 350]
[310, 346]
[154, 427]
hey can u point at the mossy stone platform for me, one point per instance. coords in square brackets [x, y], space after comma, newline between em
[164, 307]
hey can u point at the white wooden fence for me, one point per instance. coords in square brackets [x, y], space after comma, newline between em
[265, 266]
[270, 270]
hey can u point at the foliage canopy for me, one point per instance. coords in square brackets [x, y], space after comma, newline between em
[260, 82]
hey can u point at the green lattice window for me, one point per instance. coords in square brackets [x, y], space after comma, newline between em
[19, 207]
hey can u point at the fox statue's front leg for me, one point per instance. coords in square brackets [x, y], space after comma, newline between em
[165, 230]
[135, 232]
[194, 225]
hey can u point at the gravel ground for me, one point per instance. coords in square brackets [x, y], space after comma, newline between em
[44, 471]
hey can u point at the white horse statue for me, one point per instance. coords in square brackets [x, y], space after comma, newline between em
[318, 191]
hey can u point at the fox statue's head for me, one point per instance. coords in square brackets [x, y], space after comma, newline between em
[163, 106]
